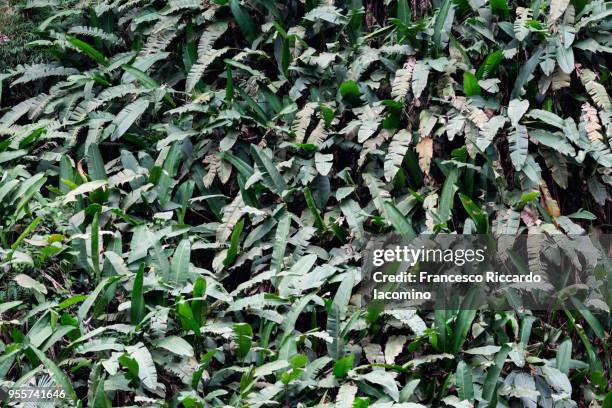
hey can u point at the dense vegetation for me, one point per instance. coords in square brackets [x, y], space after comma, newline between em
[185, 197]
[17, 28]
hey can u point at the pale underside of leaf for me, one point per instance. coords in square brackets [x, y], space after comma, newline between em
[402, 81]
[397, 150]
[425, 151]
[231, 214]
[519, 144]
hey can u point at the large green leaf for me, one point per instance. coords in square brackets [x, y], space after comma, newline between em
[519, 145]
[127, 117]
[270, 173]
[463, 379]
[88, 50]
[58, 375]
[439, 23]
[280, 241]
[491, 380]
[137, 310]
[179, 269]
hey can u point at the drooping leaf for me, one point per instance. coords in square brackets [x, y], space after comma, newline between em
[492, 61]
[525, 73]
[88, 50]
[397, 150]
[58, 375]
[270, 173]
[280, 242]
[179, 269]
[176, 345]
[439, 24]
[463, 379]
[491, 380]
[232, 251]
[244, 20]
[420, 76]
[564, 355]
[470, 84]
[127, 117]
[519, 145]
[137, 311]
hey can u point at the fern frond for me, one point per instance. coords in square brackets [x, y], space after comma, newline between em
[81, 111]
[199, 67]
[12, 116]
[190, 107]
[395, 156]
[94, 32]
[365, 58]
[301, 240]
[160, 41]
[178, 5]
[372, 144]
[163, 24]
[70, 104]
[39, 71]
[124, 176]
[95, 127]
[478, 117]
[490, 64]
[206, 53]
[425, 151]
[378, 192]
[403, 78]
[231, 214]
[519, 146]
[591, 122]
[318, 134]
[535, 248]
[214, 162]
[302, 120]
[129, 4]
[39, 105]
[596, 90]
[143, 63]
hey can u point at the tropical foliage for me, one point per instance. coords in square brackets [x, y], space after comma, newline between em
[16, 30]
[185, 202]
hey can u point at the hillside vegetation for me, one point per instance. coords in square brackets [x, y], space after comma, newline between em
[187, 188]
